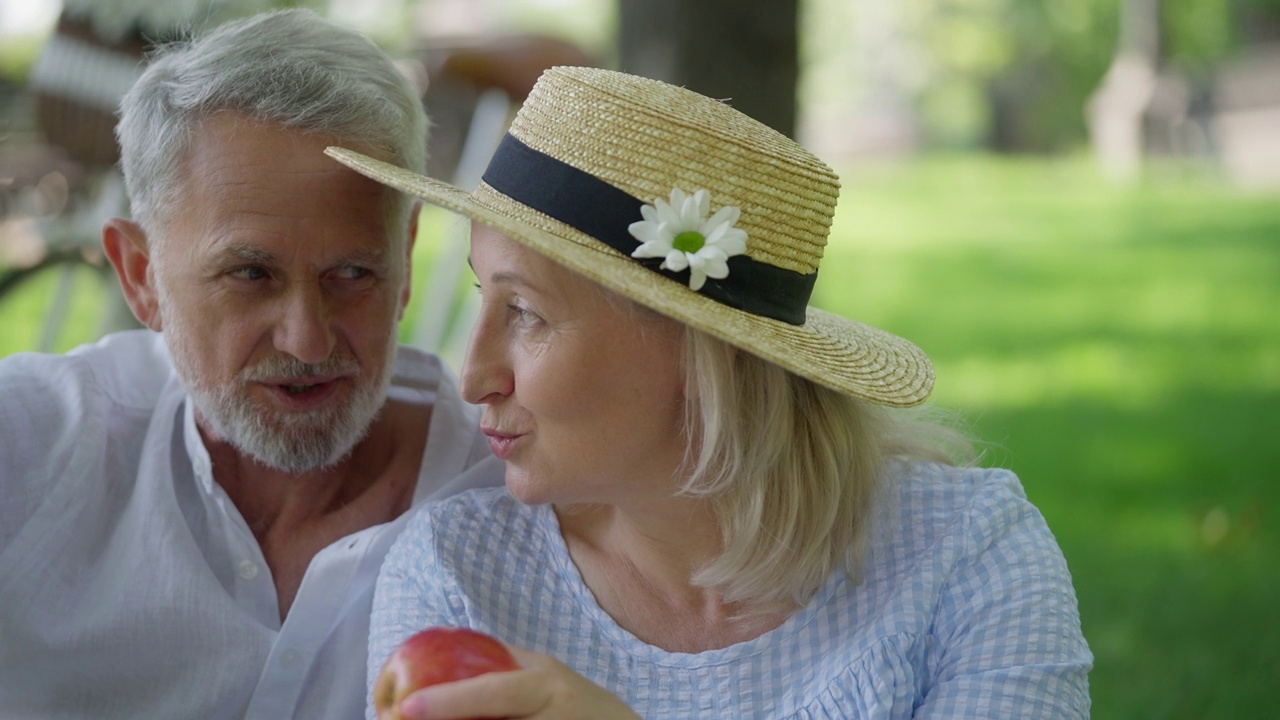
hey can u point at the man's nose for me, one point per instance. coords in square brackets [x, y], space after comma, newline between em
[305, 328]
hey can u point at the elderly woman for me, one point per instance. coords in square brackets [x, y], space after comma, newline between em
[715, 504]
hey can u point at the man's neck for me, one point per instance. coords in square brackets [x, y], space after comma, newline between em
[293, 517]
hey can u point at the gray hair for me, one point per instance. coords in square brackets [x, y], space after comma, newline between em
[793, 469]
[290, 67]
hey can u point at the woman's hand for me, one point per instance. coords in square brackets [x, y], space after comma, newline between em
[543, 688]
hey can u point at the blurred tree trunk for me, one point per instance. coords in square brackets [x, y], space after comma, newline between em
[741, 51]
[1140, 29]
[1116, 111]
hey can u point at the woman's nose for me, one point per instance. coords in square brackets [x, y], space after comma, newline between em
[486, 374]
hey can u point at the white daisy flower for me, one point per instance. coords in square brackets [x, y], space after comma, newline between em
[680, 232]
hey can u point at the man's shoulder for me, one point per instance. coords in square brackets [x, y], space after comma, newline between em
[457, 455]
[69, 424]
[127, 369]
[417, 368]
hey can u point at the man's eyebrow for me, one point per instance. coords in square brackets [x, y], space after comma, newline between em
[364, 257]
[240, 252]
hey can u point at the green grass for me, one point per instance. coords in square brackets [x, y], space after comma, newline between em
[1120, 349]
[26, 307]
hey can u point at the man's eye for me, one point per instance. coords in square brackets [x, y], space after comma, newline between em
[353, 273]
[250, 272]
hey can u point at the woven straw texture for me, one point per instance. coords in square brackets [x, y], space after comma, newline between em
[647, 137]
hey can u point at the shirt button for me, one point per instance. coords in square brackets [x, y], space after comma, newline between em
[289, 658]
[248, 569]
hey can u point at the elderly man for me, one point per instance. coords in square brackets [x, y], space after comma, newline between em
[192, 519]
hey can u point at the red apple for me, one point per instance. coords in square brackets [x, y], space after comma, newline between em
[433, 656]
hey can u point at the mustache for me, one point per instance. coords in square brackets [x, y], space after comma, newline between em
[286, 366]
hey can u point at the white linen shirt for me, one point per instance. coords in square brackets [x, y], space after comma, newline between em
[131, 586]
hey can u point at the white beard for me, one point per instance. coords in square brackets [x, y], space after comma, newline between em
[292, 442]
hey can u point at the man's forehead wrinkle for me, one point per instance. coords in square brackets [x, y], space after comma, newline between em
[214, 165]
[245, 252]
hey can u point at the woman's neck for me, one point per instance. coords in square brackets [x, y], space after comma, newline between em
[640, 568]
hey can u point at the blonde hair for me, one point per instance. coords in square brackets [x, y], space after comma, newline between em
[793, 469]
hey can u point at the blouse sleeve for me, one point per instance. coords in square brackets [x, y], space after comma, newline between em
[412, 594]
[1006, 638]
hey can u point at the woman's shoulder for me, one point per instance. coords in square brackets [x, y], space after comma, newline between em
[480, 503]
[486, 512]
[933, 510]
[482, 527]
[972, 561]
[931, 493]
[950, 480]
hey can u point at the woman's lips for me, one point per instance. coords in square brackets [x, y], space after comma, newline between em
[502, 444]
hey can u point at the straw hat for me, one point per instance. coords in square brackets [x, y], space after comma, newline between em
[726, 219]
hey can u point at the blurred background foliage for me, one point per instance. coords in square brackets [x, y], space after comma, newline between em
[1114, 336]
[1012, 75]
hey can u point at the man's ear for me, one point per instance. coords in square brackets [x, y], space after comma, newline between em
[406, 291]
[125, 243]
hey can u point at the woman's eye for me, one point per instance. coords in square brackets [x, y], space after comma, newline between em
[521, 315]
[250, 272]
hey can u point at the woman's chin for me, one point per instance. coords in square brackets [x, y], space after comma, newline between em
[524, 488]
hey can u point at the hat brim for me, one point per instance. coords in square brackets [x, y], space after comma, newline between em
[848, 356]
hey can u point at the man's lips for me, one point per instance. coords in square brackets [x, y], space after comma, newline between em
[302, 393]
[300, 383]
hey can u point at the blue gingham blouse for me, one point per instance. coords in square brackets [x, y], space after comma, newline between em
[965, 610]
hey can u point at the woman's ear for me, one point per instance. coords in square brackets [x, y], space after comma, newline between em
[125, 243]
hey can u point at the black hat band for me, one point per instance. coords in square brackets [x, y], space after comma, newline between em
[603, 211]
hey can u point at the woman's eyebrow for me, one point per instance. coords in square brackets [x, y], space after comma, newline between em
[511, 278]
[505, 277]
